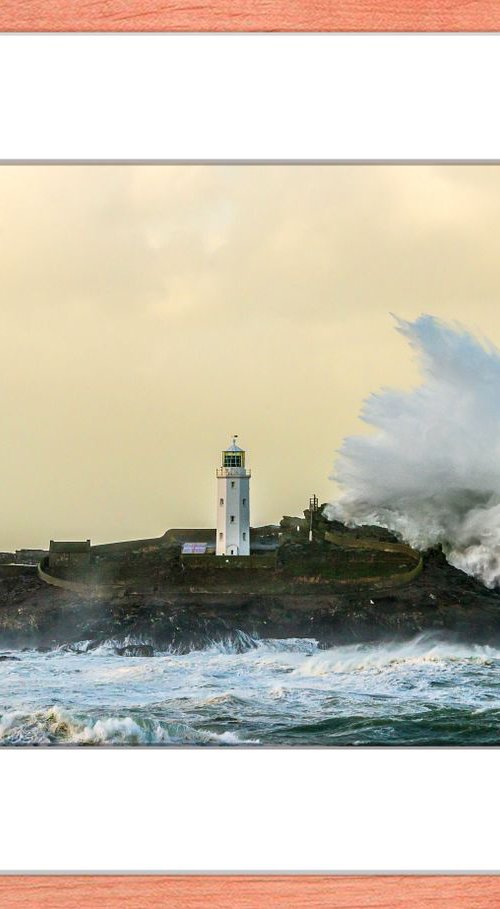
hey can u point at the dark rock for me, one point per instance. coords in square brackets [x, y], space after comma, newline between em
[136, 650]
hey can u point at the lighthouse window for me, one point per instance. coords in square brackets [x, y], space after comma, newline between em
[221, 501]
[221, 536]
[244, 535]
[232, 484]
[244, 501]
[232, 460]
[232, 519]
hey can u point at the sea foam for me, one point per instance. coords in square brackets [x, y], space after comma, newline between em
[374, 658]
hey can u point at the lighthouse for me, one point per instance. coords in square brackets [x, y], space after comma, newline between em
[233, 503]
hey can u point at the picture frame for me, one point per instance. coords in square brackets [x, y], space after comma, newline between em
[250, 891]
[251, 16]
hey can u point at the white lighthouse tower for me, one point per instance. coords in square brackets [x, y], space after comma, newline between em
[233, 503]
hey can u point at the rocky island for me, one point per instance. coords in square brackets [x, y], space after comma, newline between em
[344, 585]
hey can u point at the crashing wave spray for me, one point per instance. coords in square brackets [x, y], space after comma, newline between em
[431, 471]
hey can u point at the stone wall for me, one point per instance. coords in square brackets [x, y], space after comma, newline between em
[83, 588]
[211, 564]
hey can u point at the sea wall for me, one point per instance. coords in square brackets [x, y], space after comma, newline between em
[347, 542]
[339, 561]
[83, 588]
[397, 579]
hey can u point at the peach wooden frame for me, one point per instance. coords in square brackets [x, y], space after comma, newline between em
[250, 15]
[250, 891]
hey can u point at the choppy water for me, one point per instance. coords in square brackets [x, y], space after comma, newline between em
[282, 692]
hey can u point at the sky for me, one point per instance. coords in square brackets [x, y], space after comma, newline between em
[149, 312]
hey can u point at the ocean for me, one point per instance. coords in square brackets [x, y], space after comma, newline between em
[254, 693]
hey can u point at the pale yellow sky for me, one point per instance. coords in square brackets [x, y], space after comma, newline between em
[148, 312]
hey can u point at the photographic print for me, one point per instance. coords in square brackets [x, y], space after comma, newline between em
[250, 460]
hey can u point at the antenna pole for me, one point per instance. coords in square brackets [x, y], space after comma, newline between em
[313, 507]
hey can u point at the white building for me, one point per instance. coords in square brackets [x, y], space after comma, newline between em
[233, 503]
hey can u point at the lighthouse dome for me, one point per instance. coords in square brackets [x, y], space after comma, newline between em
[233, 446]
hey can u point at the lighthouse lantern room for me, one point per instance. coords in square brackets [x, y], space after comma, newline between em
[233, 503]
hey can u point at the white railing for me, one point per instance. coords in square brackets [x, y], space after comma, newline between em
[233, 472]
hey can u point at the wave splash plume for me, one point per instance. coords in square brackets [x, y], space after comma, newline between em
[431, 471]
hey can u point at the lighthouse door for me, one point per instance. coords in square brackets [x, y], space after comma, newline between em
[232, 550]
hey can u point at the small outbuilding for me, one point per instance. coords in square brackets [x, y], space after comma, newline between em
[73, 554]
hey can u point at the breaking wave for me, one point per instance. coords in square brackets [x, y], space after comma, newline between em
[431, 471]
[238, 642]
[423, 649]
[57, 726]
